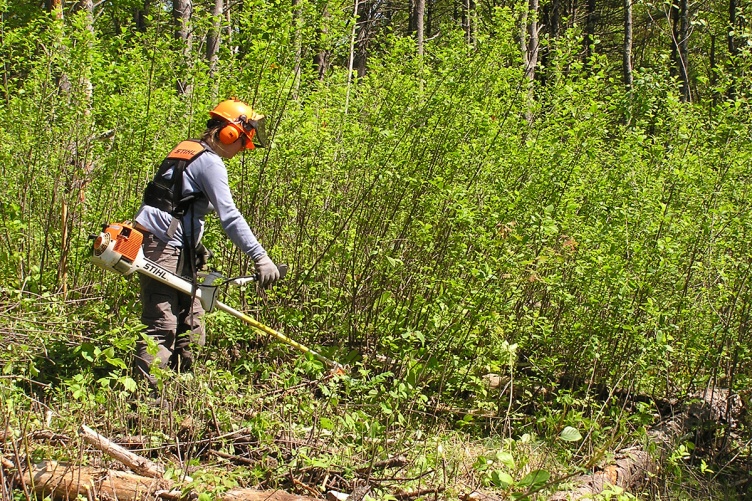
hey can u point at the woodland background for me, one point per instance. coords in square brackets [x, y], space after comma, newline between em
[522, 224]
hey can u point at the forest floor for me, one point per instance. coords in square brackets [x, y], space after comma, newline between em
[310, 436]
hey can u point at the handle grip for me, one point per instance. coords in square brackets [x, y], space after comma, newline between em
[283, 268]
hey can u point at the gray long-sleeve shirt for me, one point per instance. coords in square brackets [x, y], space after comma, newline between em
[208, 175]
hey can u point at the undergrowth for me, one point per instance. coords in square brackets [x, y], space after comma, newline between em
[263, 419]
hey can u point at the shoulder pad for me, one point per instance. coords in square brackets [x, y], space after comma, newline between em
[187, 150]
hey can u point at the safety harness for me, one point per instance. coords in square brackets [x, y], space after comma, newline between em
[166, 194]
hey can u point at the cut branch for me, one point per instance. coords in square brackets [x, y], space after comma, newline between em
[138, 464]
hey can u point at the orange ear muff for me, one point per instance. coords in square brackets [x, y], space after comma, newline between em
[229, 134]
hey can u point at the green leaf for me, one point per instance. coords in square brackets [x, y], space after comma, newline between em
[394, 262]
[326, 423]
[88, 350]
[506, 459]
[129, 384]
[501, 478]
[117, 362]
[535, 478]
[570, 434]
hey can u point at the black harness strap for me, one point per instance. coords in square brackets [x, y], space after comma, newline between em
[167, 195]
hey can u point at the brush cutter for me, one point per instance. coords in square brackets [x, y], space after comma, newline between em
[118, 248]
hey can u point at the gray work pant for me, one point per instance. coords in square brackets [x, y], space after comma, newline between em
[170, 319]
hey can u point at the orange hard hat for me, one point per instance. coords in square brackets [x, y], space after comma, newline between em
[242, 120]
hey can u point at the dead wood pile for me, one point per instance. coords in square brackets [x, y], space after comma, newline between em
[63, 481]
[145, 479]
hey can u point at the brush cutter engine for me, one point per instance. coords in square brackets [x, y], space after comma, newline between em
[118, 248]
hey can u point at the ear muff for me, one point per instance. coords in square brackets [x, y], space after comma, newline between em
[229, 134]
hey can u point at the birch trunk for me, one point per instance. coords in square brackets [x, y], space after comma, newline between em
[627, 61]
[420, 9]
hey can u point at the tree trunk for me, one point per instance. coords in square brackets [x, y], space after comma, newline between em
[56, 7]
[529, 48]
[429, 17]
[554, 18]
[627, 61]
[679, 33]
[139, 16]
[62, 481]
[65, 481]
[533, 41]
[732, 31]
[713, 70]
[181, 13]
[699, 419]
[297, 23]
[684, 50]
[364, 25]
[732, 48]
[411, 11]
[228, 28]
[420, 7]
[321, 58]
[523, 40]
[140, 465]
[469, 24]
[589, 30]
[252, 495]
[551, 14]
[213, 37]
[351, 62]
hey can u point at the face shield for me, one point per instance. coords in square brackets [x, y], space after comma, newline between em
[255, 131]
[260, 138]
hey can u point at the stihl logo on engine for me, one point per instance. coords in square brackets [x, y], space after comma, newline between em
[156, 270]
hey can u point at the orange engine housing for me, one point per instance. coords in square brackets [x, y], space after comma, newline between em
[127, 239]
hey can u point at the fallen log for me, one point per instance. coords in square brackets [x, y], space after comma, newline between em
[632, 465]
[66, 481]
[628, 470]
[62, 481]
[268, 495]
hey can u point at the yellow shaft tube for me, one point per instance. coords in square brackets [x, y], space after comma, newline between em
[268, 330]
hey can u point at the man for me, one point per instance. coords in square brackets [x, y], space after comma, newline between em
[191, 183]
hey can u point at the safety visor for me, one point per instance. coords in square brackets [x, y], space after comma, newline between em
[255, 131]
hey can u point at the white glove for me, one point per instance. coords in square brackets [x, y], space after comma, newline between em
[267, 271]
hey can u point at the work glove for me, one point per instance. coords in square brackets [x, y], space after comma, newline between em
[203, 255]
[267, 271]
